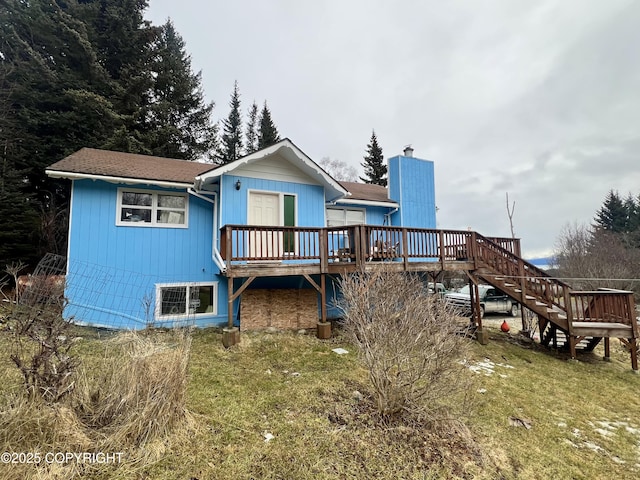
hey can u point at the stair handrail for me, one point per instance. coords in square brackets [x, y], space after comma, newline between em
[537, 282]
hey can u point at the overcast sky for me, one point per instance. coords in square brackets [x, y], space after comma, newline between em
[540, 99]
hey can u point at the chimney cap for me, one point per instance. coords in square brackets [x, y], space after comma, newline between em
[408, 151]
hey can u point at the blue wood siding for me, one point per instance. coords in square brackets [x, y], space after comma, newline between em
[411, 184]
[233, 203]
[112, 268]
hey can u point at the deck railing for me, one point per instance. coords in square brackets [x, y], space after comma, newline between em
[604, 306]
[354, 243]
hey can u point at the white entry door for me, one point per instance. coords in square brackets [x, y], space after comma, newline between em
[264, 209]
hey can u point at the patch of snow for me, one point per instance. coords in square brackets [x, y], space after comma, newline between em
[562, 425]
[593, 446]
[340, 351]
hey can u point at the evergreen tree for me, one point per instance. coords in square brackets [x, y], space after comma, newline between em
[53, 90]
[374, 168]
[176, 122]
[613, 215]
[251, 131]
[268, 133]
[86, 73]
[633, 213]
[231, 148]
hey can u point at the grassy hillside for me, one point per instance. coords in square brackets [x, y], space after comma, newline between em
[284, 406]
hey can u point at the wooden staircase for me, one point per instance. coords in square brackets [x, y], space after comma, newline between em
[578, 318]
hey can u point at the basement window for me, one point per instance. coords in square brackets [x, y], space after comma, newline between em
[181, 300]
[149, 208]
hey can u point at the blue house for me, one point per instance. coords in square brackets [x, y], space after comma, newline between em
[257, 242]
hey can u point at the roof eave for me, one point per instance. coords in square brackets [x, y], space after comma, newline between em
[368, 203]
[116, 179]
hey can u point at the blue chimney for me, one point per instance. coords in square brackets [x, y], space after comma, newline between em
[412, 186]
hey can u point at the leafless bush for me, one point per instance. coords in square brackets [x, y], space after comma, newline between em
[42, 339]
[409, 341]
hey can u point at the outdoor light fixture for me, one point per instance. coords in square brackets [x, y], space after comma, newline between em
[238, 184]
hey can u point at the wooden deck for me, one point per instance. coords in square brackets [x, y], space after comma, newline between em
[260, 251]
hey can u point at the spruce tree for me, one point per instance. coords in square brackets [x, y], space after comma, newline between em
[231, 148]
[268, 133]
[613, 215]
[87, 73]
[175, 121]
[374, 168]
[251, 131]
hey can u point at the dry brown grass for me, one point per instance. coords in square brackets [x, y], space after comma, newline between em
[130, 401]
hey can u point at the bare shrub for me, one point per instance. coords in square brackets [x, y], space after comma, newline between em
[41, 337]
[410, 343]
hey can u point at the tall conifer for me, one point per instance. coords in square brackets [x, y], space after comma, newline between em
[268, 133]
[374, 168]
[231, 148]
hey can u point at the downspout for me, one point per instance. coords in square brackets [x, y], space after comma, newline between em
[388, 215]
[215, 253]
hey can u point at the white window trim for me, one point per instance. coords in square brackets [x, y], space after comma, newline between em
[344, 211]
[281, 196]
[154, 208]
[158, 303]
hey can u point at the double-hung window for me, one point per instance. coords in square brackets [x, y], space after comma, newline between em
[150, 208]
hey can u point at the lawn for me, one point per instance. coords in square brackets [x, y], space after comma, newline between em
[285, 406]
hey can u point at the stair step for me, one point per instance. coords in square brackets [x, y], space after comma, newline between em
[509, 285]
[517, 290]
[529, 297]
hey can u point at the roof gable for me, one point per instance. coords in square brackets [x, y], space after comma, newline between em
[288, 151]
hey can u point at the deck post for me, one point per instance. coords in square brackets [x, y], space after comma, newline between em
[607, 349]
[405, 248]
[633, 343]
[230, 334]
[441, 245]
[324, 250]
[572, 346]
[356, 248]
[323, 331]
[523, 291]
[230, 302]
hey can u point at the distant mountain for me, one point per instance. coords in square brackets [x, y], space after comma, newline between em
[541, 262]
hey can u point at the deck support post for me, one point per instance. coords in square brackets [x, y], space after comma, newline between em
[324, 328]
[572, 346]
[607, 349]
[633, 343]
[231, 334]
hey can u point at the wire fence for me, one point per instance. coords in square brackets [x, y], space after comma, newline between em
[95, 295]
